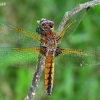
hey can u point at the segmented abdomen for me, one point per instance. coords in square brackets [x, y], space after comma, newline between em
[49, 73]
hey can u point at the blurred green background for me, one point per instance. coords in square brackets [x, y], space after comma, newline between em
[69, 83]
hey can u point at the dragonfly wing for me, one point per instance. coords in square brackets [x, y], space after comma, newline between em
[75, 20]
[11, 36]
[77, 58]
[18, 57]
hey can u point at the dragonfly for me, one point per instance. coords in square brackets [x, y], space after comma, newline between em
[11, 38]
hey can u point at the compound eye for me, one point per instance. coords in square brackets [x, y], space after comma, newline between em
[51, 24]
[43, 24]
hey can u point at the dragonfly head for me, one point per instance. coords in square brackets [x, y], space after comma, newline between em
[44, 26]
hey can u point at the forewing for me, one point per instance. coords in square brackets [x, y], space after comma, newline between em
[11, 36]
[76, 20]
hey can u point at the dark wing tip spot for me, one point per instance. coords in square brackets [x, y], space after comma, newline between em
[87, 8]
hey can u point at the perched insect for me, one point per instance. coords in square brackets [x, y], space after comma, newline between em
[49, 48]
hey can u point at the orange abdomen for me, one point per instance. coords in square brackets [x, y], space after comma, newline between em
[49, 73]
